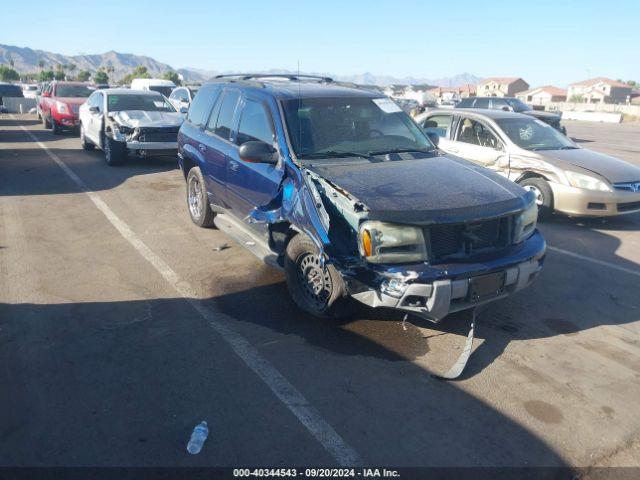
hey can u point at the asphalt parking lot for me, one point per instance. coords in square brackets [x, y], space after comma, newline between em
[122, 326]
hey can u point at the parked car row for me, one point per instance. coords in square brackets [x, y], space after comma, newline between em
[352, 198]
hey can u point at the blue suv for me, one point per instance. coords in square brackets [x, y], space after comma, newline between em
[339, 187]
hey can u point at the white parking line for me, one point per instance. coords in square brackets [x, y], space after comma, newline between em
[293, 399]
[594, 260]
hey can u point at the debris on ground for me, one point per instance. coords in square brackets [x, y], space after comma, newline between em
[219, 248]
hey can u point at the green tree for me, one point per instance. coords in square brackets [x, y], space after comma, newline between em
[41, 64]
[84, 75]
[59, 74]
[46, 75]
[138, 72]
[173, 76]
[8, 74]
[576, 99]
[101, 77]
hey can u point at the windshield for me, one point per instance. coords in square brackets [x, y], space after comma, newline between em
[166, 91]
[149, 103]
[81, 91]
[532, 134]
[320, 127]
[518, 105]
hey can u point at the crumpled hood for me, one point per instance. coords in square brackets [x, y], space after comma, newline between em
[142, 118]
[438, 189]
[611, 168]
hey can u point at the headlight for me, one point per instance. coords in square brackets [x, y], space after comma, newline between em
[61, 107]
[381, 242]
[580, 180]
[526, 223]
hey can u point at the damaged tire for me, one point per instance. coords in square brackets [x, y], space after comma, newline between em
[316, 290]
[197, 199]
[544, 195]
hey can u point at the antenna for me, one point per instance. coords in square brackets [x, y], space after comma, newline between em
[298, 115]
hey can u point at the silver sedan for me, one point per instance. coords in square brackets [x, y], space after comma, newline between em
[565, 177]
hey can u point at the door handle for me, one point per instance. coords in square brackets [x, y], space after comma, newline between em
[233, 166]
[202, 148]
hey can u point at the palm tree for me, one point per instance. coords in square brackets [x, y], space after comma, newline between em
[41, 64]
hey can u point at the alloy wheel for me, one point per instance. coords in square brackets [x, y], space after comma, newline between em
[538, 194]
[194, 197]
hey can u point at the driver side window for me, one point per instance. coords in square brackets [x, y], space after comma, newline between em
[475, 133]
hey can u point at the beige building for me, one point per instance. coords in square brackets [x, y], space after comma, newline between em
[501, 87]
[543, 95]
[599, 90]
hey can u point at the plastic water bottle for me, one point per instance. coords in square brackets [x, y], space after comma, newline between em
[198, 436]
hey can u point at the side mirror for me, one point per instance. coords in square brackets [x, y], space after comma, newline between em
[258, 152]
[46, 94]
[184, 110]
[94, 109]
[506, 108]
[434, 137]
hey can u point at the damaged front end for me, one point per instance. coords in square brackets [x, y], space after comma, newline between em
[421, 265]
[146, 132]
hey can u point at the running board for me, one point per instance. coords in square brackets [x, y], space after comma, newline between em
[242, 235]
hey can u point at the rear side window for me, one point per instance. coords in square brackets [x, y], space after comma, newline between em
[498, 103]
[481, 103]
[225, 117]
[201, 105]
[255, 124]
[465, 103]
[438, 124]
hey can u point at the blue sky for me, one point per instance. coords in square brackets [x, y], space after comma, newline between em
[542, 41]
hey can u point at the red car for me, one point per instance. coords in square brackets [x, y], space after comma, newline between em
[60, 102]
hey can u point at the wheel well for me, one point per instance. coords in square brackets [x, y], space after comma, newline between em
[187, 164]
[527, 175]
[280, 234]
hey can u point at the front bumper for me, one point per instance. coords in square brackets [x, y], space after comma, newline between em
[589, 203]
[433, 292]
[66, 120]
[152, 146]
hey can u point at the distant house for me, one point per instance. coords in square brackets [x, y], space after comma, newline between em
[394, 90]
[452, 93]
[501, 87]
[599, 90]
[543, 95]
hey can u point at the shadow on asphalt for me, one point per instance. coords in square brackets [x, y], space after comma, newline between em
[122, 383]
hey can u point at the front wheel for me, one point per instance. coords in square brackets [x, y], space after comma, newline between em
[197, 201]
[45, 122]
[55, 128]
[543, 193]
[114, 152]
[317, 289]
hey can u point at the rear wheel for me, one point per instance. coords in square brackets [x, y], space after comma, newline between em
[114, 152]
[543, 193]
[197, 200]
[86, 143]
[317, 289]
